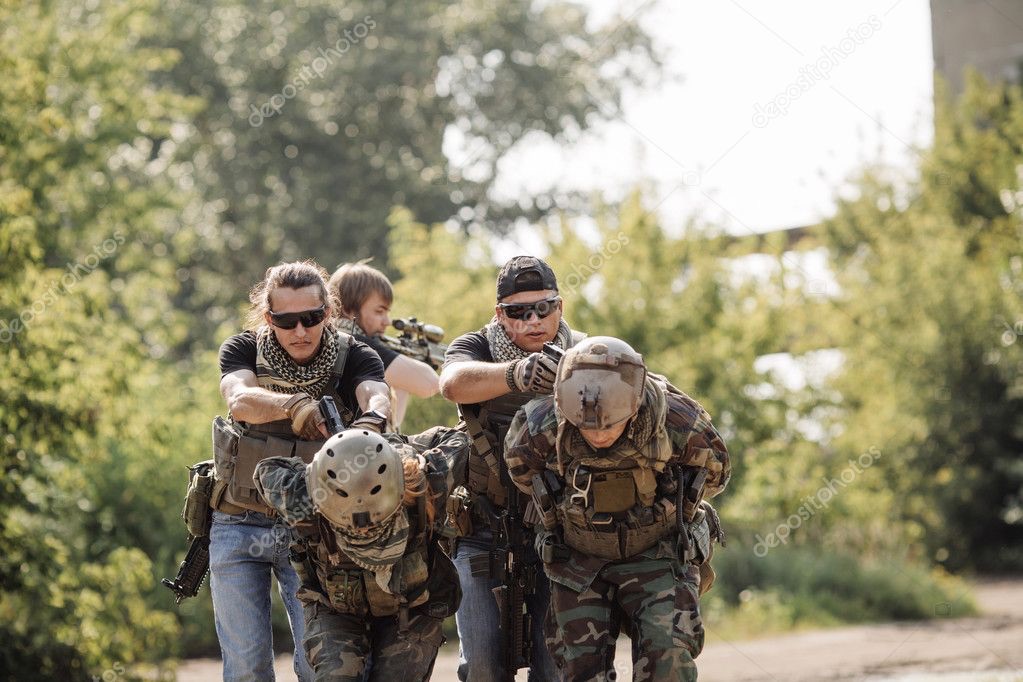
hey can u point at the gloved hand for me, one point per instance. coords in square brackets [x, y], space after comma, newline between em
[371, 421]
[534, 373]
[305, 416]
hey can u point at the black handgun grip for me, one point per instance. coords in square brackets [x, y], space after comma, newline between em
[553, 351]
[328, 408]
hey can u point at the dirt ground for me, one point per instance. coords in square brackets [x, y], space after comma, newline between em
[986, 648]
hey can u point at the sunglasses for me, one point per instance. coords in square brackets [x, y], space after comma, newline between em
[520, 311]
[308, 318]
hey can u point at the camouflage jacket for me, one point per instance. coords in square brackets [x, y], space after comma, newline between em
[281, 482]
[684, 434]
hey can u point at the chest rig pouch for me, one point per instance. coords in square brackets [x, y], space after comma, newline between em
[614, 514]
[487, 430]
[238, 447]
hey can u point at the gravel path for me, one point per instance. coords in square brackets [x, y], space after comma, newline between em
[986, 648]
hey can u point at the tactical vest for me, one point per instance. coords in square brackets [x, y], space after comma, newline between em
[611, 505]
[331, 578]
[487, 428]
[239, 446]
[614, 513]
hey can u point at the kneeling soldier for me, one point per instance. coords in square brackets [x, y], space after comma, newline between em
[618, 461]
[375, 585]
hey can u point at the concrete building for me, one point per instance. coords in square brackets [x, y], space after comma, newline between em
[984, 34]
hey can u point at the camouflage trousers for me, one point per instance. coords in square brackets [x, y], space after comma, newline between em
[340, 646]
[654, 599]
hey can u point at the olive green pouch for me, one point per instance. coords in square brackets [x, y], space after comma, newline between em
[196, 512]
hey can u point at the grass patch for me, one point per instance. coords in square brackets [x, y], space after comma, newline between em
[795, 589]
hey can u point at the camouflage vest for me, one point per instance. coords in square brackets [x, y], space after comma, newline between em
[239, 446]
[610, 506]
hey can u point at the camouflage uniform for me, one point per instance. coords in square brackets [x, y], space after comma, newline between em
[350, 621]
[653, 589]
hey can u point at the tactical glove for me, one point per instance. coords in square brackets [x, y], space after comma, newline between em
[305, 416]
[371, 421]
[534, 373]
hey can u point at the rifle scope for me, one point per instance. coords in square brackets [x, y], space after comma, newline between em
[430, 332]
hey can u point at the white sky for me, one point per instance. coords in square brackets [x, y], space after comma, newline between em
[694, 136]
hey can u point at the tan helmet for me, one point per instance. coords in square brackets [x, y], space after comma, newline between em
[356, 480]
[600, 383]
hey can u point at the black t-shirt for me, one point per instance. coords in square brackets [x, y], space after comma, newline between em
[387, 355]
[472, 346]
[362, 364]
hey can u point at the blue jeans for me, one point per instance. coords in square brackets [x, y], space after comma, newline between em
[478, 620]
[244, 550]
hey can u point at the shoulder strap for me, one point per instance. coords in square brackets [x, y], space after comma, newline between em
[484, 448]
[344, 343]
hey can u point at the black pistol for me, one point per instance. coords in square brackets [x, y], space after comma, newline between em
[328, 408]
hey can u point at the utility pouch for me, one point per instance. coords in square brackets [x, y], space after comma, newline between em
[594, 543]
[612, 491]
[459, 514]
[346, 592]
[196, 512]
[445, 592]
[414, 573]
[225, 448]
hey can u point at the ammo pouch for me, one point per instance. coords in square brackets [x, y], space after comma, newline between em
[346, 592]
[459, 511]
[355, 591]
[196, 512]
[238, 448]
[601, 535]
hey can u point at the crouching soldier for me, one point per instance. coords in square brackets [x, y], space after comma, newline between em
[618, 461]
[375, 586]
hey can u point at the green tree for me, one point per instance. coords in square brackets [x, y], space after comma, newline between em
[318, 118]
[929, 315]
[84, 311]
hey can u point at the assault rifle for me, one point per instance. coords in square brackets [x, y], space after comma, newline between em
[512, 565]
[418, 341]
[192, 571]
[196, 565]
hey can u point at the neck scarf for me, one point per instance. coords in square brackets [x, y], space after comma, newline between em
[379, 551]
[504, 349]
[276, 370]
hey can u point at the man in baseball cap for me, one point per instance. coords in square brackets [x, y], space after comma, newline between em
[490, 374]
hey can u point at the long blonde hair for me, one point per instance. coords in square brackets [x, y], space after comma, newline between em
[416, 486]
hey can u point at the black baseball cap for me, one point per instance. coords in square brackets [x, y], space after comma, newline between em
[525, 273]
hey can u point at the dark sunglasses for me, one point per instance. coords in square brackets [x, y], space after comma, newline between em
[520, 311]
[308, 318]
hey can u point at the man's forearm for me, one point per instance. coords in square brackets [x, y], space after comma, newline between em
[474, 382]
[374, 396]
[258, 405]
